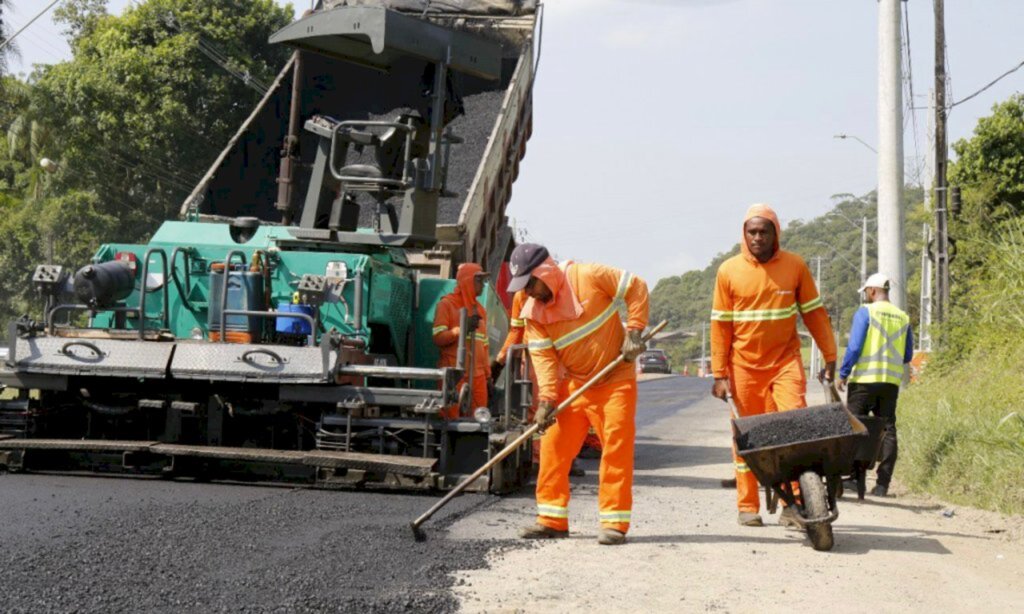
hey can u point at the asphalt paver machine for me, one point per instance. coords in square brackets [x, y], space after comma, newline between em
[281, 329]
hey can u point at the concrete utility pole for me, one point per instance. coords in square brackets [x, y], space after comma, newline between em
[864, 249]
[924, 336]
[890, 151]
[815, 352]
[941, 231]
[703, 350]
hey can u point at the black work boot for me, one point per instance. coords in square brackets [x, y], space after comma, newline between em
[880, 490]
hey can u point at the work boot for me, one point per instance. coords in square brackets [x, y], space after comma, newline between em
[787, 518]
[880, 491]
[539, 531]
[576, 471]
[750, 519]
[610, 537]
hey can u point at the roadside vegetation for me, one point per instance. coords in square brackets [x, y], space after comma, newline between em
[129, 124]
[962, 428]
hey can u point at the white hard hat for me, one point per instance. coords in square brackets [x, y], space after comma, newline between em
[877, 280]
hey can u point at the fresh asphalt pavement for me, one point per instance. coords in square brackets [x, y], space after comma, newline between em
[109, 545]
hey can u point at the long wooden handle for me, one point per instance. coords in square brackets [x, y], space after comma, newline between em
[527, 434]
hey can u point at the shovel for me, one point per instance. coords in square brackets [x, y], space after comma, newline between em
[527, 434]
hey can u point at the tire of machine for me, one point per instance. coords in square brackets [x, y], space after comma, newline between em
[812, 490]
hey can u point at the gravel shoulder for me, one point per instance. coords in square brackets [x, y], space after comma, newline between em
[686, 552]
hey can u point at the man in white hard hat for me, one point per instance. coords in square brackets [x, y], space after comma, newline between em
[881, 343]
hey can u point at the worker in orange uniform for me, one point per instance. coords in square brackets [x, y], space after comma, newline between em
[469, 284]
[573, 329]
[755, 350]
[516, 336]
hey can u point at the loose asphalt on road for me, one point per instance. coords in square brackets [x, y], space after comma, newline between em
[108, 545]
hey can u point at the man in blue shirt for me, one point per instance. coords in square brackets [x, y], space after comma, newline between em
[881, 343]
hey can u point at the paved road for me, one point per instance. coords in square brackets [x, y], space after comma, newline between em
[686, 552]
[109, 545]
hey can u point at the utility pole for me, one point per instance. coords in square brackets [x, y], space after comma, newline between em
[890, 150]
[924, 335]
[941, 231]
[814, 344]
[864, 249]
[703, 350]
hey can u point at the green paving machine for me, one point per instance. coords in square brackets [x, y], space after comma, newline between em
[281, 330]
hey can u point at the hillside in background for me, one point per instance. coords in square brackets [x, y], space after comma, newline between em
[835, 237]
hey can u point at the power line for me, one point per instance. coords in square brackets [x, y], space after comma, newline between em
[7, 41]
[990, 84]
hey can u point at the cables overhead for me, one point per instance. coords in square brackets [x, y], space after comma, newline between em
[990, 84]
[210, 50]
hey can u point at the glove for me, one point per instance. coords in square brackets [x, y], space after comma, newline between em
[544, 416]
[633, 345]
[496, 369]
[473, 322]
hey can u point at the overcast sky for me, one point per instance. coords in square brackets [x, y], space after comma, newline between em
[657, 122]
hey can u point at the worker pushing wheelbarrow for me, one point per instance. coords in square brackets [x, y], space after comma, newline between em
[801, 456]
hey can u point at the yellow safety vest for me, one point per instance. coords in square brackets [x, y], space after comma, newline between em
[885, 345]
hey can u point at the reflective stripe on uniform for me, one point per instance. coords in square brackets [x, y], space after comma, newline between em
[481, 337]
[590, 327]
[884, 346]
[742, 468]
[616, 516]
[811, 305]
[755, 315]
[552, 511]
[540, 344]
[517, 323]
[440, 329]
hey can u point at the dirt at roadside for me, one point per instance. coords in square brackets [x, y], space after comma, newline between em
[686, 552]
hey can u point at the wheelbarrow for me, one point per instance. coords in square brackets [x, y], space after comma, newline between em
[817, 465]
[870, 447]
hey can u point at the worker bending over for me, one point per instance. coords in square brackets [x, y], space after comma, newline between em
[881, 343]
[469, 284]
[755, 349]
[573, 328]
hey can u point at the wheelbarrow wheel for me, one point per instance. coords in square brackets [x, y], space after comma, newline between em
[812, 490]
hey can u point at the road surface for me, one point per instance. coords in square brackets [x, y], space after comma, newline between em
[686, 553]
[113, 545]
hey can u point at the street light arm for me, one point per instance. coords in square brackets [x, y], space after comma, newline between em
[856, 138]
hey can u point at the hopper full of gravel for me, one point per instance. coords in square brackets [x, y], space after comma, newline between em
[787, 427]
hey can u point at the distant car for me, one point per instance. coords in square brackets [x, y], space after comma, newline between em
[654, 361]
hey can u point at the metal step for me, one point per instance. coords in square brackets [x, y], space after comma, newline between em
[400, 465]
[14, 418]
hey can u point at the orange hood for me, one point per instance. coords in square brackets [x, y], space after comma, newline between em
[765, 211]
[563, 306]
[465, 289]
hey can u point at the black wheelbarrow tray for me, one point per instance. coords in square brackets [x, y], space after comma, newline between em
[817, 465]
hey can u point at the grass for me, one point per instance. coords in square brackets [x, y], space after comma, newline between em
[961, 433]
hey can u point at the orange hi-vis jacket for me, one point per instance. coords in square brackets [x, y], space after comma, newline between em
[754, 314]
[446, 325]
[585, 345]
[516, 326]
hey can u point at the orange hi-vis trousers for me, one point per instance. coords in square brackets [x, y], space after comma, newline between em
[611, 410]
[759, 392]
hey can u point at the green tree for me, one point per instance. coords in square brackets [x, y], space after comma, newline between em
[141, 109]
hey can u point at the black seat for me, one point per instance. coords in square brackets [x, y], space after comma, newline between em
[364, 171]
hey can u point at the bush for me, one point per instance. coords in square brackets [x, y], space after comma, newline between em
[962, 428]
